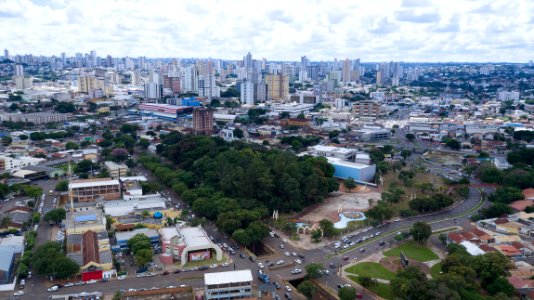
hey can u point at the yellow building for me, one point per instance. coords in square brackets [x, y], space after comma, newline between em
[277, 86]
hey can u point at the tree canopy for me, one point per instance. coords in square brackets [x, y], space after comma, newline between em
[49, 259]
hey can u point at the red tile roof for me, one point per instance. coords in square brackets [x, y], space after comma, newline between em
[520, 205]
[528, 193]
[90, 247]
[455, 237]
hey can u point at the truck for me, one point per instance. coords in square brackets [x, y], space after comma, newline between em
[263, 277]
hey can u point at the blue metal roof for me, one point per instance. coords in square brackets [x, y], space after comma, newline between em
[85, 218]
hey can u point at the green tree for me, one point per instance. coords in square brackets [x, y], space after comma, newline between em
[55, 215]
[241, 237]
[443, 238]
[143, 257]
[6, 140]
[346, 293]
[71, 146]
[327, 227]
[62, 186]
[349, 183]
[307, 288]
[50, 260]
[316, 235]
[314, 270]
[405, 153]
[410, 137]
[421, 231]
[501, 285]
[366, 281]
[238, 133]
[143, 143]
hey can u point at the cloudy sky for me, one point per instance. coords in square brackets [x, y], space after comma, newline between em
[374, 30]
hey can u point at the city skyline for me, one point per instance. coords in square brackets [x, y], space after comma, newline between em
[408, 30]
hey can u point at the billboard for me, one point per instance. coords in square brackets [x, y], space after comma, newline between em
[199, 255]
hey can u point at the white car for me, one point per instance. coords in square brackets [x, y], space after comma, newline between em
[122, 277]
[260, 265]
[298, 261]
[53, 289]
[280, 262]
[296, 271]
[288, 289]
[287, 253]
[19, 293]
[68, 284]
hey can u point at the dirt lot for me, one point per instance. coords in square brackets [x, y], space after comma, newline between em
[357, 200]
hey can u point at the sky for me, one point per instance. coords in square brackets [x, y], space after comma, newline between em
[373, 30]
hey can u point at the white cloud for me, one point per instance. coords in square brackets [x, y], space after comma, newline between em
[407, 30]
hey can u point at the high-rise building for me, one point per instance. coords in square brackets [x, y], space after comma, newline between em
[247, 93]
[153, 90]
[22, 82]
[63, 58]
[87, 83]
[190, 79]
[304, 62]
[173, 83]
[6, 54]
[19, 70]
[277, 86]
[207, 88]
[93, 63]
[202, 121]
[247, 61]
[346, 75]
[313, 72]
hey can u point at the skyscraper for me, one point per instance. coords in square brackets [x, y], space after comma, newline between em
[6, 54]
[247, 61]
[190, 79]
[202, 121]
[207, 88]
[346, 71]
[93, 59]
[63, 58]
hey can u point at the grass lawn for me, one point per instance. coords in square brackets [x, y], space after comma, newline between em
[371, 269]
[381, 289]
[412, 251]
[435, 269]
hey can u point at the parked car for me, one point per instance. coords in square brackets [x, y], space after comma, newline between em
[53, 288]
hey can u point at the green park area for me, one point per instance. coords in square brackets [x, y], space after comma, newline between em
[372, 270]
[435, 270]
[412, 251]
[381, 289]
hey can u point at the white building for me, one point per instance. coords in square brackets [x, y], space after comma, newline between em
[331, 151]
[228, 285]
[8, 163]
[293, 109]
[505, 96]
[247, 93]
[153, 90]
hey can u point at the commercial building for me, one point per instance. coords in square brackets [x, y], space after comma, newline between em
[207, 88]
[359, 172]
[87, 190]
[138, 204]
[277, 86]
[116, 170]
[123, 237]
[92, 252]
[331, 151]
[202, 121]
[371, 133]
[35, 118]
[366, 108]
[293, 109]
[163, 111]
[88, 83]
[228, 285]
[153, 90]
